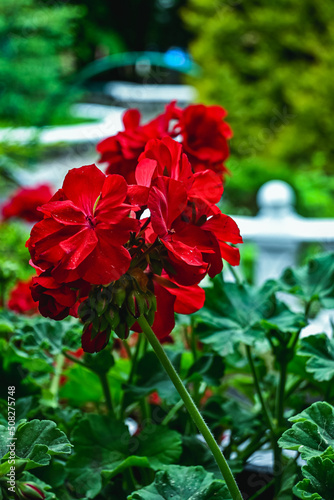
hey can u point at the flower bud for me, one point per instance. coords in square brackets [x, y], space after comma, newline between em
[122, 330]
[94, 342]
[131, 304]
[29, 491]
[102, 302]
[119, 296]
[150, 315]
[112, 316]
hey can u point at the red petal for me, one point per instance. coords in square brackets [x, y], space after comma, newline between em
[164, 320]
[83, 186]
[144, 172]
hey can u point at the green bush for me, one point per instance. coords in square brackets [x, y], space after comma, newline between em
[270, 65]
[35, 39]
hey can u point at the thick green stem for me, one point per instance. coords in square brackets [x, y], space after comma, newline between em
[192, 409]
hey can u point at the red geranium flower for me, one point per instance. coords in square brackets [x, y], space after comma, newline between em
[55, 300]
[204, 137]
[20, 299]
[121, 152]
[165, 157]
[84, 229]
[25, 201]
[173, 297]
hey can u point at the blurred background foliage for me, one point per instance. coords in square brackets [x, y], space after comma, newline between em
[35, 61]
[269, 64]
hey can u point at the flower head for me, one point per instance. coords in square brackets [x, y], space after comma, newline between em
[84, 229]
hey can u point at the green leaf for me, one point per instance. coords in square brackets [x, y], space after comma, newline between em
[315, 281]
[312, 433]
[151, 376]
[35, 339]
[35, 442]
[284, 320]
[100, 362]
[320, 350]
[319, 480]
[183, 483]
[233, 313]
[104, 448]
[209, 368]
[82, 385]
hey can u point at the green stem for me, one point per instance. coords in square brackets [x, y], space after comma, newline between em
[235, 275]
[280, 396]
[127, 348]
[54, 387]
[106, 392]
[135, 360]
[75, 360]
[192, 409]
[262, 490]
[280, 420]
[266, 413]
[173, 411]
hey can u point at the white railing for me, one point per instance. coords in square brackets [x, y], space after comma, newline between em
[278, 231]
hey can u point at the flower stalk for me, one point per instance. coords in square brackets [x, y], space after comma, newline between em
[192, 409]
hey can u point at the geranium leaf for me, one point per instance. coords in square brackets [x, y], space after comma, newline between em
[183, 483]
[284, 320]
[314, 281]
[232, 313]
[209, 368]
[36, 339]
[319, 480]
[320, 350]
[35, 442]
[312, 433]
[151, 376]
[104, 448]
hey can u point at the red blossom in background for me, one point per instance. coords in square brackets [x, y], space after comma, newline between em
[121, 152]
[201, 129]
[24, 203]
[204, 137]
[20, 299]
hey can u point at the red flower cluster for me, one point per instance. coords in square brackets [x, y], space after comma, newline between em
[112, 242]
[201, 129]
[24, 203]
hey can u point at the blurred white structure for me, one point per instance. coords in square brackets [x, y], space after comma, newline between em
[278, 230]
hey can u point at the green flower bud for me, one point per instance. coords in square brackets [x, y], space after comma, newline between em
[119, 296]
[112, 316]
[29, 491]
[122, 330]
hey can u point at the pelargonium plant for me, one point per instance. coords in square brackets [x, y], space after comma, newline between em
[125, 249]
